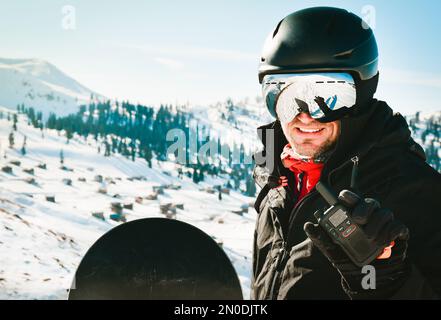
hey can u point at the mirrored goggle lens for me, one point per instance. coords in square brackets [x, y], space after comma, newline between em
[322, 95]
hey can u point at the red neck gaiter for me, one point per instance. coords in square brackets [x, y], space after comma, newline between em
[311, 171]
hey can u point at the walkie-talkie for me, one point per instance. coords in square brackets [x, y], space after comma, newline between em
[347, 234]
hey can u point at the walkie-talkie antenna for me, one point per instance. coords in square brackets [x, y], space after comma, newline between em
[326, 193]
[354, 172]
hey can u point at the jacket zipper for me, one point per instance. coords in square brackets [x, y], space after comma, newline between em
[281, 256]
[354, 173]
[283, 252]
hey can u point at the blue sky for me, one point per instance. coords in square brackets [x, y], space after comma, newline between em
[205, 51]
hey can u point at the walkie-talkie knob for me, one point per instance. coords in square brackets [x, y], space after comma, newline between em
[318, 215]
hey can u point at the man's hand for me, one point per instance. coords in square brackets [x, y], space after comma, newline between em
[380, 226]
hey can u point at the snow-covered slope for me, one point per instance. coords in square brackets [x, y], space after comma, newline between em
[41, 242]
[234, 122]
[39, 84]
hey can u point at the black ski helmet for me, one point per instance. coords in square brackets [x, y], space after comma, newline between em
[324, 39]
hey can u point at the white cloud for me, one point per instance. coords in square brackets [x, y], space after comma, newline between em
[194, 52]
[409, 77]
[408, 91]
[170, 63]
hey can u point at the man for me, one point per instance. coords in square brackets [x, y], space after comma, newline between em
[319, 74]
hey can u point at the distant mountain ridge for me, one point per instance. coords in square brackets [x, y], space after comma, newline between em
[41, 85]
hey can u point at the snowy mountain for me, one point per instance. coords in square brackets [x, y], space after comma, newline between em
[39, 84]
[50, 215]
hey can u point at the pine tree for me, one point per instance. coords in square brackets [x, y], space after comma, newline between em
[148, 156]
[61, 157]
[15, 119]
[69, 135]
[201, 175]
[432, 156]
[251, 187]
[195, 176]
[107, 148]
[23, 147]
[417, 117]
[51, 121]
[133, 153]
[11, 140]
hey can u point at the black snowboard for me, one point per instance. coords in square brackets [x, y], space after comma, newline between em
[155, 258]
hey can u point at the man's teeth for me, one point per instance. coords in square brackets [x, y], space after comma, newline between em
[309, 130]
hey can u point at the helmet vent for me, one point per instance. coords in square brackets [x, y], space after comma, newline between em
[277, 28]
[344, 55]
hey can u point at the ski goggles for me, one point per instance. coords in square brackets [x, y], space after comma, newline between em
[325, 96]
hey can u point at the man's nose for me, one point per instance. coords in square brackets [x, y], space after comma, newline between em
[304, 117]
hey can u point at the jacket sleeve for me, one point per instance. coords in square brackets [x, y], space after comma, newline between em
[416, 287]
[417, 203]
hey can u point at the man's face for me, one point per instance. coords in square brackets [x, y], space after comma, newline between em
[311, 144]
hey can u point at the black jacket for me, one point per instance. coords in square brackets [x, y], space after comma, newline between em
[392, 169]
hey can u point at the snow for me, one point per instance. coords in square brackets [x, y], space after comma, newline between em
[39, 84]
[421, 125]
[240, 124]
[42, 243]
